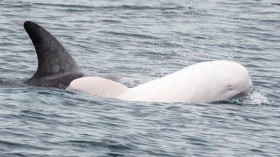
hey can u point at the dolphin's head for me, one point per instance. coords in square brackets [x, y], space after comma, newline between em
[235, 79]
[219, 80]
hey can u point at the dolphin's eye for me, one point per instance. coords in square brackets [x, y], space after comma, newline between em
[229, 86]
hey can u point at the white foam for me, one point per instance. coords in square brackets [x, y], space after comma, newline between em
[258, 99]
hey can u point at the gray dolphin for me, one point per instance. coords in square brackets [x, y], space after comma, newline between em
[56, 67]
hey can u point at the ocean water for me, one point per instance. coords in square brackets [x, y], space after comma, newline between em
[138, 41]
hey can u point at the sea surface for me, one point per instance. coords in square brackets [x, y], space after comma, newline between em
[139, 41]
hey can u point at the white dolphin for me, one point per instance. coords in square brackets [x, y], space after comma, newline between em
[201, 82]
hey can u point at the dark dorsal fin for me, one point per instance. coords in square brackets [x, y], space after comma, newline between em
[56, 67]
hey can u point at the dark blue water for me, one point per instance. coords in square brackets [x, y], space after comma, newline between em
[139, 41]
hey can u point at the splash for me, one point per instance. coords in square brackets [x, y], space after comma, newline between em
[251, 98]
[258, 99]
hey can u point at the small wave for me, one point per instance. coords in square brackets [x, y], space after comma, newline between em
[11, 144]
[275, 4]
[13, 155]
[113, 7]
[142, 36]
[110, 21]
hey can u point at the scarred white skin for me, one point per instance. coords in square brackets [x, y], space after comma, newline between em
[201, 82]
